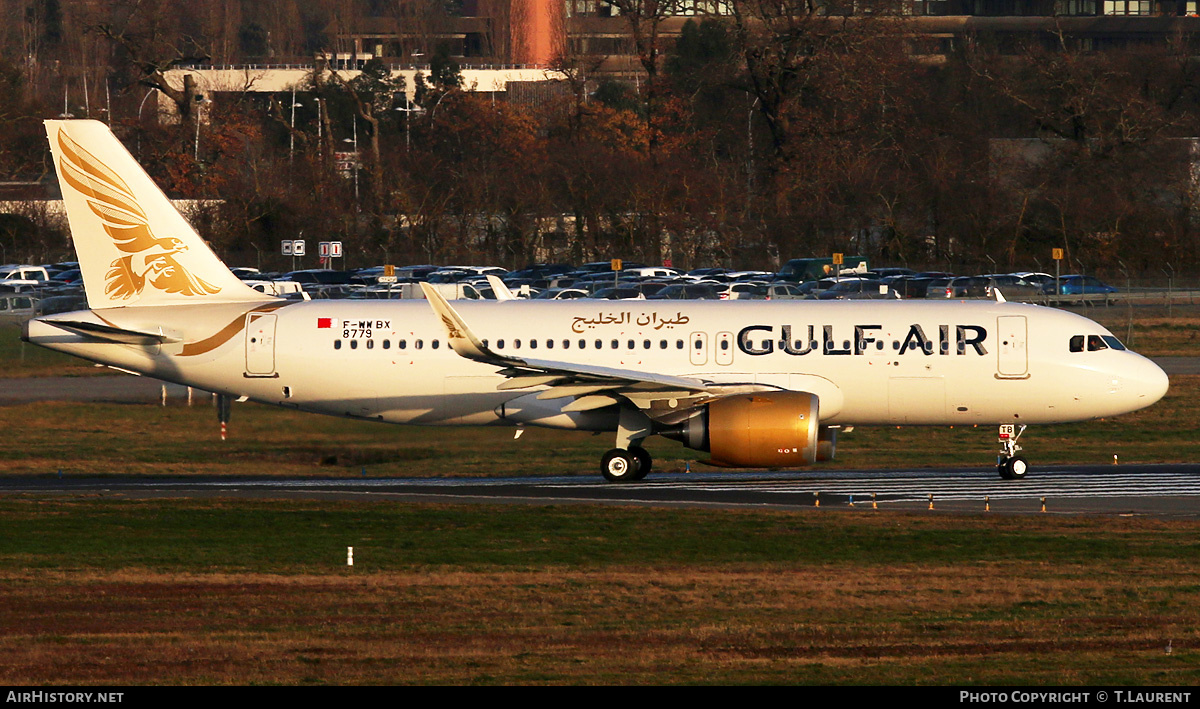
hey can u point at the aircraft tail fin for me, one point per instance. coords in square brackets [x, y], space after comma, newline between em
[133, 246]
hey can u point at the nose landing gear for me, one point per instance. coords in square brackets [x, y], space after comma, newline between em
[1010, 465]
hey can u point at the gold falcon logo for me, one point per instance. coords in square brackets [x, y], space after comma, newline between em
[150, 259]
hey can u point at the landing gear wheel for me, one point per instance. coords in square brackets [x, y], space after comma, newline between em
[618, 466]
[1014, 468]
[643, 459]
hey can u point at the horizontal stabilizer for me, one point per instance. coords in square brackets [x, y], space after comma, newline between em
[109, 333]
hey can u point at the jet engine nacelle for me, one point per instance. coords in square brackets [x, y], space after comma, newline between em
[760, 430]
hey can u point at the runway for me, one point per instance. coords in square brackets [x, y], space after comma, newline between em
[1152, 490]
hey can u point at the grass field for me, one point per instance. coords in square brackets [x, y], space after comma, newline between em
[112, 591]
[212, 591]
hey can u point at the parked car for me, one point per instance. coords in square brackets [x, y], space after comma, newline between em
[562, 294]
[741, 291]
[687, 291]
[783, 291]
[20, 278]
[322, 276]
[72, 276]
[1080, 285]
[275, 287]
[1035, 277]
[538, 270]
[650, 272]
[16, 308]
[619, 293]
[885, 273]
[812, 289]
[60, 304]
[1010, 286]
[856, 289]
[1014, 287]
[934, 287]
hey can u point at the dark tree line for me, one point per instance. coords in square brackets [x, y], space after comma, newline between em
[773, 132]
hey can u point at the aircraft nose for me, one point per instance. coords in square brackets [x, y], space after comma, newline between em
[1146, 381]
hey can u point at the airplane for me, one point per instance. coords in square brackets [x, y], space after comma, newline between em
[755, 384]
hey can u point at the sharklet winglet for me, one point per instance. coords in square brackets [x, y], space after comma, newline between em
[460, 337]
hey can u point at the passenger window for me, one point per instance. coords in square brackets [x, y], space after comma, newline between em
[353, 344]
[402, 344]
[1077, 343]
[499, 344]
[337, 344]
[435, 344]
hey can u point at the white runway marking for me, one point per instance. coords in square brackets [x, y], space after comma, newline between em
[951, 485]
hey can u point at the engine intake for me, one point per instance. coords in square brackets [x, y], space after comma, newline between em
[768, 430]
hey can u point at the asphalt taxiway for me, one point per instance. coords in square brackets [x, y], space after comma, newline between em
[1132, 490]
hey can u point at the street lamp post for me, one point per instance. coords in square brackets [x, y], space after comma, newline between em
[354, 141]
[140, 128]
[292, 127]
[408, 111]
[354, 123]
[200, 101]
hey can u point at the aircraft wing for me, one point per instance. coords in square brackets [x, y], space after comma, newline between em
[591, 385]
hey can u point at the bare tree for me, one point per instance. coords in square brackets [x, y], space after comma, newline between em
[148, 44]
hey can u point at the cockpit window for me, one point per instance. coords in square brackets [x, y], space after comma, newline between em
[1095, 343]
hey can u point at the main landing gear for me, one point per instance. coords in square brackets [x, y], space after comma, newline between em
[628, 462]
[626, 465]
[1010, 465]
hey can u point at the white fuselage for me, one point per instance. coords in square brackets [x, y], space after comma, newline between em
[869, 362]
